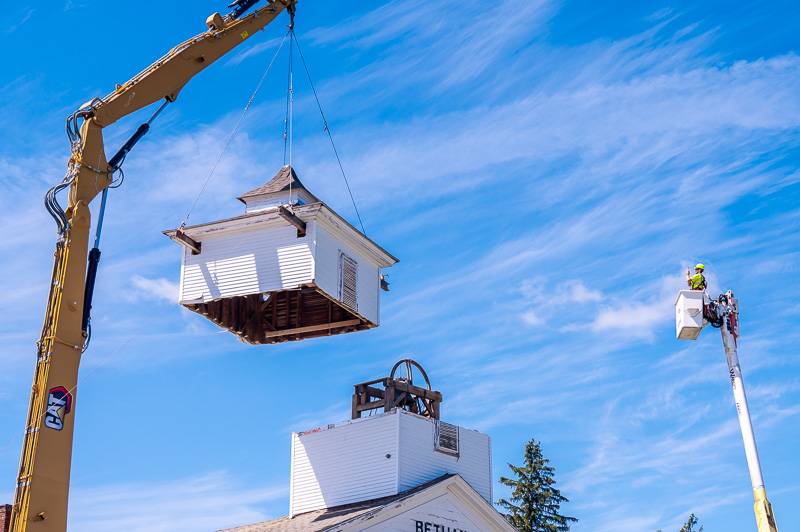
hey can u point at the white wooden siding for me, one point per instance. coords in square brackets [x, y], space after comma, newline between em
[419, 462]
[344, 464]
[327, 252]
[250, 261]
[261, 253]
[347, 463]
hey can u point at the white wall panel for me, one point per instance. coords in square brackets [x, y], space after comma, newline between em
[419, 462]
[348, 462]
[344, 464]
[255, 260]
[328, 248]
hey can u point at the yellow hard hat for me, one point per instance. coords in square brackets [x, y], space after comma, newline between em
[699, 267]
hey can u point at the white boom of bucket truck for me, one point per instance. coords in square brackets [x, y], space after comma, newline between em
[693, 311]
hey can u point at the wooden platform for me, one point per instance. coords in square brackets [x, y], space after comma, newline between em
[282, 316]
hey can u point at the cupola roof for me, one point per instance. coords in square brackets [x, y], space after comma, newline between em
[283, 181]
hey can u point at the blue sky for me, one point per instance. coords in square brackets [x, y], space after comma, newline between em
[544, 170]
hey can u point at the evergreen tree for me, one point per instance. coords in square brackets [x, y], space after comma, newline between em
[690, 525]
[535, 502]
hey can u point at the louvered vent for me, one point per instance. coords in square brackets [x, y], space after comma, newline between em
[348, 279]
[446, 438]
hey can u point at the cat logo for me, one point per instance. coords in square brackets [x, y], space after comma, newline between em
[59, 403]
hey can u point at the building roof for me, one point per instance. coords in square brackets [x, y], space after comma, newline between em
[282, 181]
[311, 211]
[378, 513]
[327, 519]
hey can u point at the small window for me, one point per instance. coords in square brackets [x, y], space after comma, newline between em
[446, 440]
[348, 281]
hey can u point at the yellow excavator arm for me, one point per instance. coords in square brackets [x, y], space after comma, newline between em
[42, 490]
[167, 76]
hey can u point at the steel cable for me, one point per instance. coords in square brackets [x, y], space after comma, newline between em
[327, 129]
[234, 131]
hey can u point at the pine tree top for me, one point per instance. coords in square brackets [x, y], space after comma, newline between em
[535, 502]
[690, 524]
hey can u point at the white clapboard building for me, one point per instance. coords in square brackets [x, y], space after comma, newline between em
[288, 268]
[396, 470]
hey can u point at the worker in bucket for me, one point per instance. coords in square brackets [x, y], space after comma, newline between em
[698, 280]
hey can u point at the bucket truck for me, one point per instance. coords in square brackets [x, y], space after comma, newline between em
[693, 311]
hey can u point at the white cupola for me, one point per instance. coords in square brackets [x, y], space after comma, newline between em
[289, 268]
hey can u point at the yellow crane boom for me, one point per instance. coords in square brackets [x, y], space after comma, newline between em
[42, 490]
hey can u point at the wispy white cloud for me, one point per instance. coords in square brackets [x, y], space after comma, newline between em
[159, 289]
[553, 299]
[531, 318]
[206, 502]
[555, 290]
[255, 50]
[339, 411]
[627, 314]
[25, 17]
[635, 127]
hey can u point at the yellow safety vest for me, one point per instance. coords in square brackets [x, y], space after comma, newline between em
[697, 281]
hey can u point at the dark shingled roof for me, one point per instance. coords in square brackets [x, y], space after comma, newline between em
[329, 518]
[281, 182]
